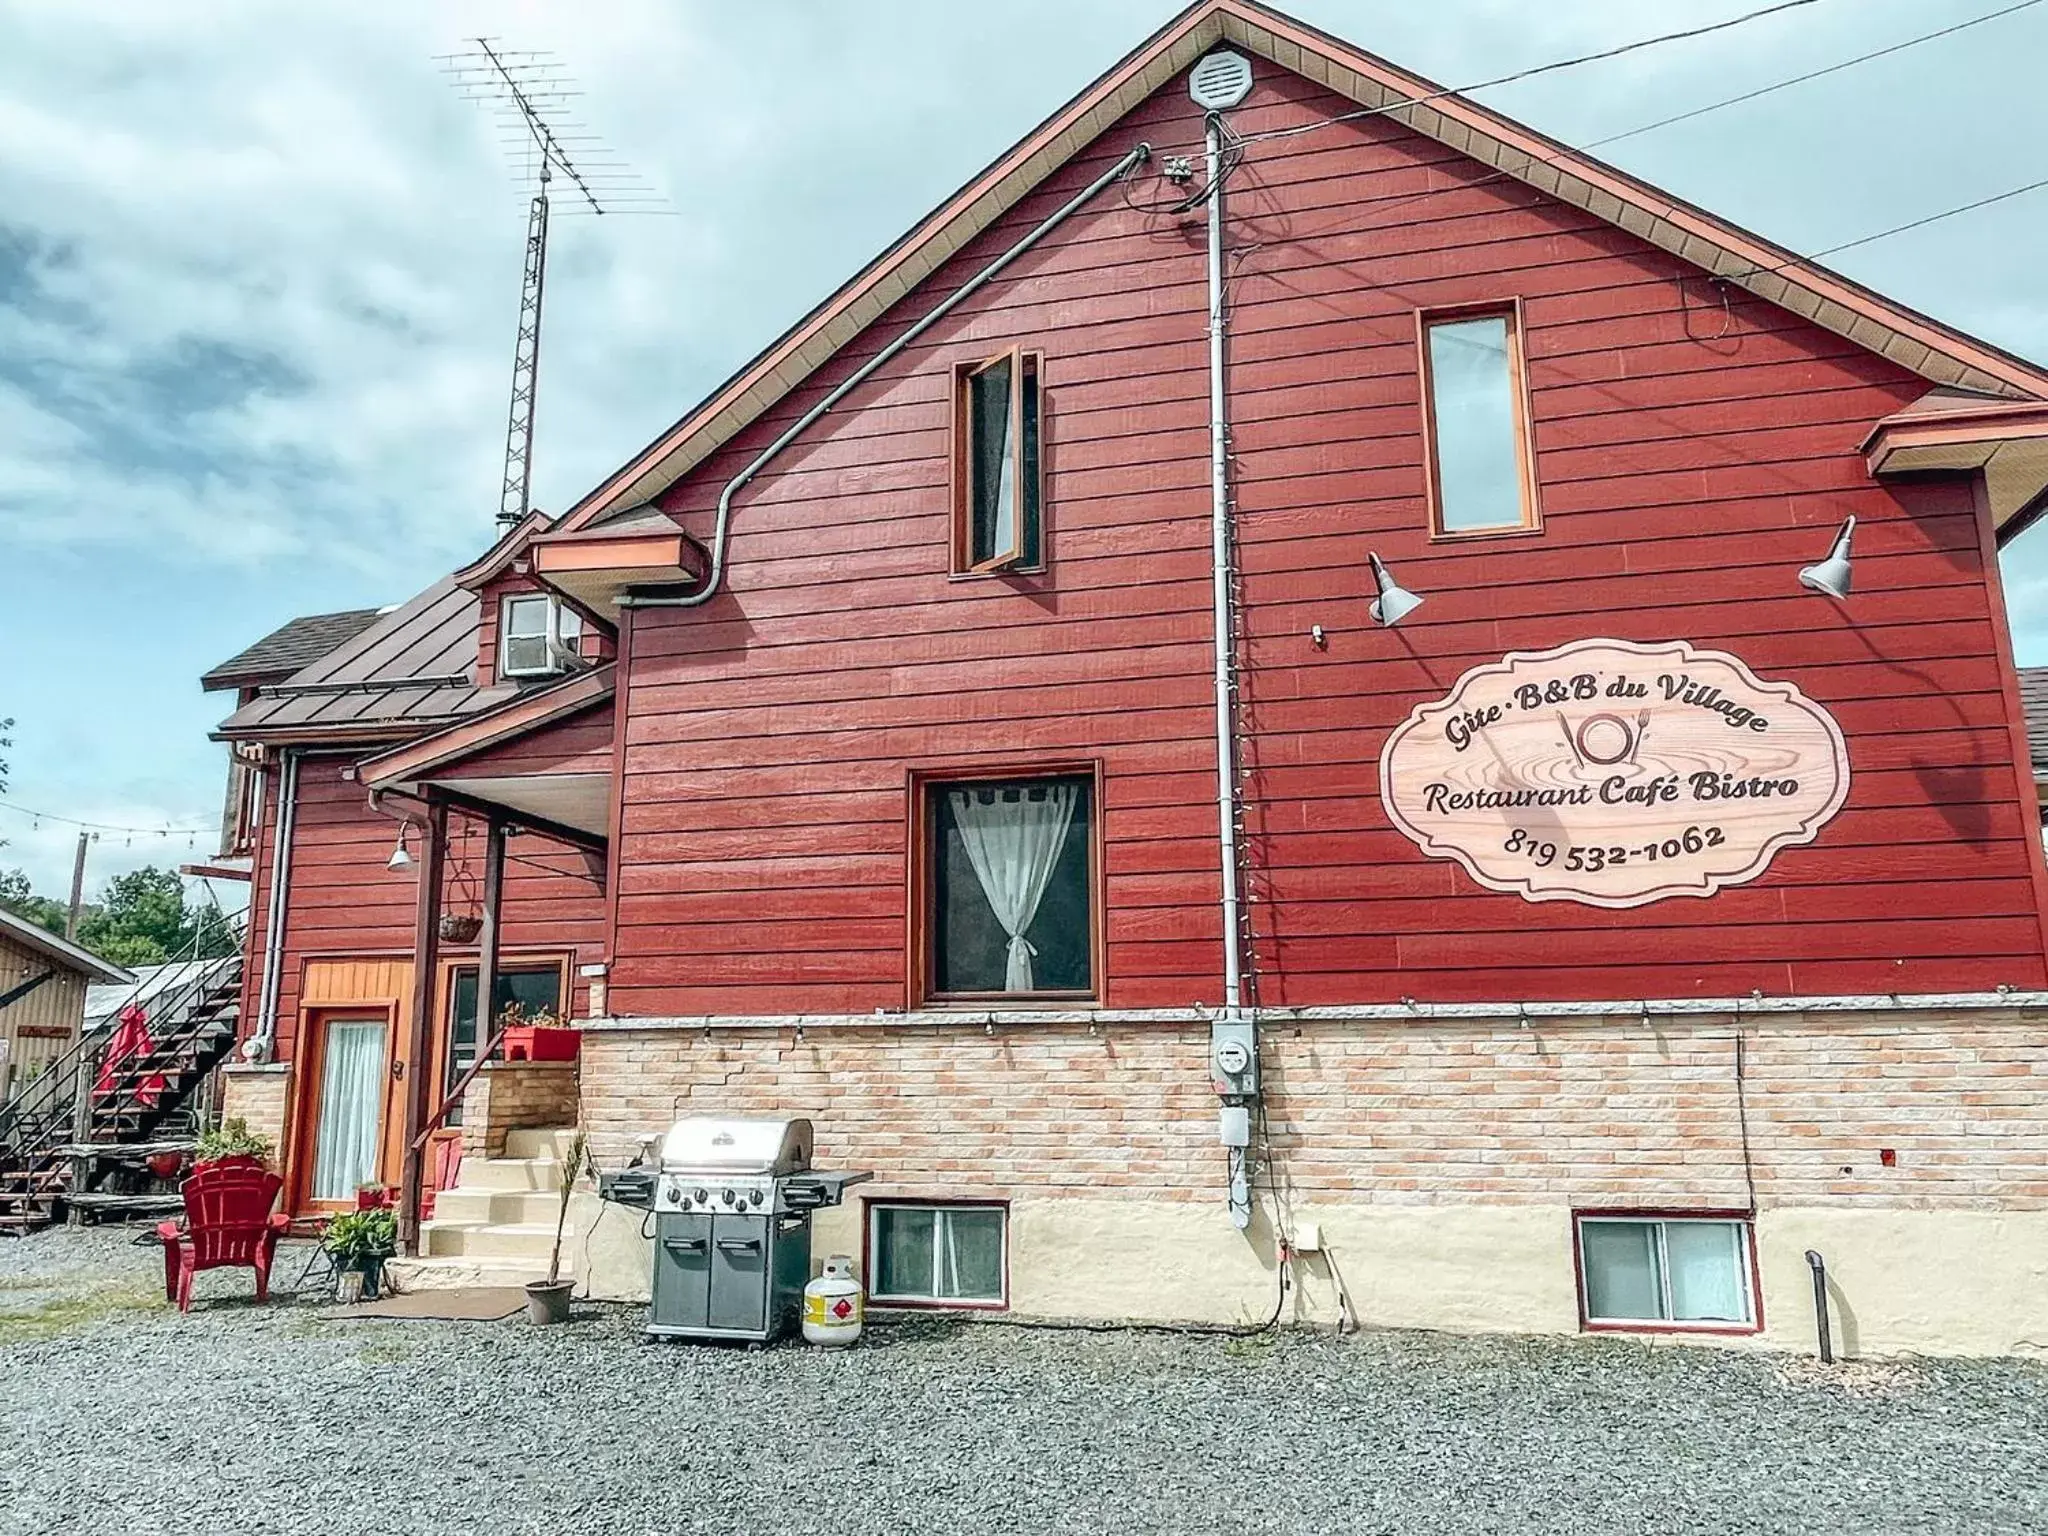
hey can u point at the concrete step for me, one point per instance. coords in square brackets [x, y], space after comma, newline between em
[461, 1274]
[550, 1142]
[487, 1206]
[491, 1240]
[508, 1173]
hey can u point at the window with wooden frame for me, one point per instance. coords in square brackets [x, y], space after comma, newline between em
[537, 636]
[1480, 458]
[997, 475]
[1643, 1270]
[1008, 900]
[950, 1254]
[537, 986]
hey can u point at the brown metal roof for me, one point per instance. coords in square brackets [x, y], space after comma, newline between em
[284, 650]
[413, 668]
[2034, 696]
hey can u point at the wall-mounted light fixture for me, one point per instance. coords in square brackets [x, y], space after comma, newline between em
[1832, 575]
[1395, 602]
[400, 860]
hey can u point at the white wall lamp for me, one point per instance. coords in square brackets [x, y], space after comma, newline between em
[400, 860]
[1395, 602]
[1832, 575]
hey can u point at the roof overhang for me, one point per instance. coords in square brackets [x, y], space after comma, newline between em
[2007, 440]
[574, 806]
[501, 556]
[598, 568]
[1915, 342]
[59, 952]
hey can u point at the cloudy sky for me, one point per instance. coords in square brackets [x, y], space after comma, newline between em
[259, 270]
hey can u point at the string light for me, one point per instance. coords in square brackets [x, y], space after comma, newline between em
[167, 830]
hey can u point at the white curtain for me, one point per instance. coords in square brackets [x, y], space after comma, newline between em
[1706, 1264]
[1013, 840]
[351, 1103]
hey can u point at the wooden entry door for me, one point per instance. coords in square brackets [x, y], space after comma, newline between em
[348, 1093]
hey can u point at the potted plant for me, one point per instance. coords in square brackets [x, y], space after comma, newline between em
[547, 1301]
[537, 1036]
[360, 1242]
[460, 927]
[232, 1142]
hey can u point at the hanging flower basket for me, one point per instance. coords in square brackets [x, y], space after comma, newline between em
[460, 927]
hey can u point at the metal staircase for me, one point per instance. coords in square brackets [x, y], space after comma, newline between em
[51, 1132]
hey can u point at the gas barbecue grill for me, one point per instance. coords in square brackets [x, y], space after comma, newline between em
[732, 1203]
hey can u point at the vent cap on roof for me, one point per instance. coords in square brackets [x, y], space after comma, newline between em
[1221, 79]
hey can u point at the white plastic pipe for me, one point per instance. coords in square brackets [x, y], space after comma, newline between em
[1073, 205]
[274, 919]
[1219, 563]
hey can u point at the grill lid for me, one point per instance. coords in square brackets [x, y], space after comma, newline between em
[714, 1145]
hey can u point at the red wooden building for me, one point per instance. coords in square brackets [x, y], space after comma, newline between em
[996, 723]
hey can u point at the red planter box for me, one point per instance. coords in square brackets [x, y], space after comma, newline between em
[537, 1042]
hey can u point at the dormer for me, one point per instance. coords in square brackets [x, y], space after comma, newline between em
[526, 633]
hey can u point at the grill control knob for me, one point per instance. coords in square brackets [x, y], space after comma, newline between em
[727, 1196]
[754, 1198]
[700, 1196]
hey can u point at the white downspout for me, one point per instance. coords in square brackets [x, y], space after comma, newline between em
[264, 1040]
[1219, 567]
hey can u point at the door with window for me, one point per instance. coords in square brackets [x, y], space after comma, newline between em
[536, 987]
[350, 1090]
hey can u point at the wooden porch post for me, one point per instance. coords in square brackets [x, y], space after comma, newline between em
[418, 1059]
[487, 940]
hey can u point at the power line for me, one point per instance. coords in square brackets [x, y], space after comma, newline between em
[1897, 229]
[1525, 74]
[1814, 74]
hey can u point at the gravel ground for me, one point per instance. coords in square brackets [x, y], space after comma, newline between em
[118, 1415]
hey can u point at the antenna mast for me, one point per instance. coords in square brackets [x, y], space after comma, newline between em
[525, 87]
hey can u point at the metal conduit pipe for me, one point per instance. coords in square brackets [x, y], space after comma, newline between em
[1819, 1266]
[1219, 564]
[264, 1040]
[861, 375]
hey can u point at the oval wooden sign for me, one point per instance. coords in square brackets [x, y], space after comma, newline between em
[1614, 773]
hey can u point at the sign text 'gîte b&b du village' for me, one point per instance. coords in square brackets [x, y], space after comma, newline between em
[1614, 773]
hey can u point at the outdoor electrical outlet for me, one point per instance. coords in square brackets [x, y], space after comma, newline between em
[1234, 1058]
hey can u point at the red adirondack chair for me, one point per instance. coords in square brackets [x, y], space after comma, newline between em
[228, 1223]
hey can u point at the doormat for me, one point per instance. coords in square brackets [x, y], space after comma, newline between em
[483, 1304]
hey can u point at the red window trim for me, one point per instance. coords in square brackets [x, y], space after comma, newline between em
[1525, 429]
[1745, 1217]
[871, 1204]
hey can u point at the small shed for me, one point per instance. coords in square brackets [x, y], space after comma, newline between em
[43, 981]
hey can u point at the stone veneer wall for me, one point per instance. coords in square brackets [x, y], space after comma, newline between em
[1680, 1111]
[516, 1095]
[260, 1095]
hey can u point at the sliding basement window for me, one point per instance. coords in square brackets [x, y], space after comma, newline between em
[997, 479]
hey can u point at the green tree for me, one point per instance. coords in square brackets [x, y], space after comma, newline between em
[17, 897]
[143, 919]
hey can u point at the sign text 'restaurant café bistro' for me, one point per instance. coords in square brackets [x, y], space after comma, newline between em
[1614, 773]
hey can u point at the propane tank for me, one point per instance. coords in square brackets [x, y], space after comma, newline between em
[832, 1305]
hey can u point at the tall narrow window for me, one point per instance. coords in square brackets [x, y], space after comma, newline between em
[1482, 477]
[1010, 888]
[996, 479]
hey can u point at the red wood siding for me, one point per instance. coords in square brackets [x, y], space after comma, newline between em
[582, 743]
[344, 902]
[1693, 448]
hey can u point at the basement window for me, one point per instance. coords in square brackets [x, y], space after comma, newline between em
[537, 636]
[997, 479]
[1481, 463]
[1653, 1272]
[1009, 902]
[938, 1255]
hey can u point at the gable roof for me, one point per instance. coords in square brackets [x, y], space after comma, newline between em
[59, 951]
[286, 649]
[414, 667]
[1937, 352]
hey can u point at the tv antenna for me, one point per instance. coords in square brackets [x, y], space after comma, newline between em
[531, 97]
